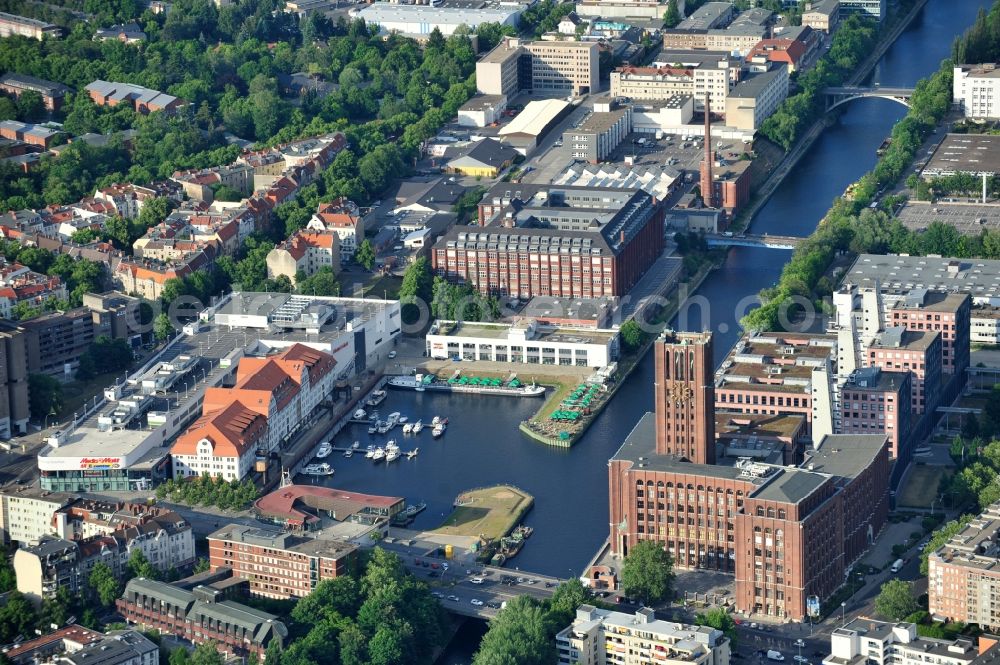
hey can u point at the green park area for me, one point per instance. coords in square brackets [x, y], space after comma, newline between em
[923, 486]
[489, 511]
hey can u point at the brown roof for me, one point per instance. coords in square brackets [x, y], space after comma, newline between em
[231, 430]
[284, 503]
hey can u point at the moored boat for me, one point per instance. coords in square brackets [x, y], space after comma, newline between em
[324, 450]
[376, 398]
[370, 452]
[379, 455]
[321, 469]
[417, 427]
[360, 414]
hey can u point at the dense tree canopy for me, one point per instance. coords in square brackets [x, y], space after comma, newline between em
[647, 572]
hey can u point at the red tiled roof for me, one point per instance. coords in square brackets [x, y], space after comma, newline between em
[282, 503]
[232, 430]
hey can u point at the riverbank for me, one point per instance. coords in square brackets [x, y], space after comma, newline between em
[745, 218]
[488, 512]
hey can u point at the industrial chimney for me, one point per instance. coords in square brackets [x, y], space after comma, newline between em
[707, 188]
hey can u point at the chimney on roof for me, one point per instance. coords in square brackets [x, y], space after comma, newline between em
[707, 188]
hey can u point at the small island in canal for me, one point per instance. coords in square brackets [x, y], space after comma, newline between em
[487, 512]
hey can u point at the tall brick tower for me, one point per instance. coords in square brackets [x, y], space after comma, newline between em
[685, 396]
[707, 186]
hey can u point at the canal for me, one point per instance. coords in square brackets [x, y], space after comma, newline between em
[482, 445]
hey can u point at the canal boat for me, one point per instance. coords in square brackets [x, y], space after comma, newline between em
[373, 428]
[379, 455]
[376, 398]
[382, 427]
[370, 452]
[324, 450]
[439, 429]
[393, 419]
[436, 420]
[391, 453]
[403, 420]
[360, 414]
[489, 388]
[408, 428]
[321, 469]
[356, 445]
[417, 426]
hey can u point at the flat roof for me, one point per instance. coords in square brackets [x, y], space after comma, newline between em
[980, 278]
[897, 337]
[965, 153]
[780, 362]
[977, 545]
[283, 540]
[782, 425]
[790, 486]
[844, 455]
[597, 122]
[967, 218]
[383, 12]
[483, 102]
[754, 84]
[535, 117]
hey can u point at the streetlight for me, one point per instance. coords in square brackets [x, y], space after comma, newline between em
[843, 611]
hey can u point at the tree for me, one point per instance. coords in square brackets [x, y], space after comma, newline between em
[631, 334]
[206, 653]
[562, 606]
[721, 619]
[202, 565]
[103, 584]
[895, 601]
[180, 656]
[162, 327]
[364, 255]
[139, 566]
[519, 634]
[672, 16]
[30, 106]
[45, 396]
[321, 283]
[8, 579]
[647, 572]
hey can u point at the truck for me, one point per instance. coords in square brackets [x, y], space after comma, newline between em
[659, 134]
[897, 565]
[774, 655]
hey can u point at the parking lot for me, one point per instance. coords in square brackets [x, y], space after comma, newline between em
[967, 218]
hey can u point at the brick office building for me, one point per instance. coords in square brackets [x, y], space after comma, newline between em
[542, 240]
[874, 401]
[787, 533]
[962, 575]
[946, 313]
[919, 352]
[276, 563]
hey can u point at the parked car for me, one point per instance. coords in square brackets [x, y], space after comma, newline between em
[392, 354]
[476, 602]
[799, 642]
[802, 660]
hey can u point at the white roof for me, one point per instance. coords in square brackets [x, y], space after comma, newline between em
[385, 13]
[535, 116]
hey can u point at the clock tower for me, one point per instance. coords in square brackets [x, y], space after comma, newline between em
[685, 396]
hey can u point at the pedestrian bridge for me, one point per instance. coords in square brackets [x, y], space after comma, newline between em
[748, 240]
[838, 96]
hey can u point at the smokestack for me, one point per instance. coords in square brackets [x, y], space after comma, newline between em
[707, 189]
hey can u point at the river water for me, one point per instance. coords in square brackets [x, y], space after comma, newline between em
[482, 445]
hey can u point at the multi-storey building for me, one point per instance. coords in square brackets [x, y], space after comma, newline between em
[28, 514]
[200, 615]
[548, 240]
[918, 352]
[875, 401]
[271, 399]
[946, 313]
[42, 649]
[822, 15]
[976, 90]
[754, 99]
[44, 568]
[597, 137]
[787, 533]
[865, 640]
[12, 25]
[14, 412]
[599, 636]
[143, 100]
[40, 136]
[676, 72]
[559, 66]
[304, 252]
[20, 284]
[342, 217]
[874, 8]
[963, 576]
[55, 341]
[278, 564]
[114, 314]
[53, 94]
[772, 373]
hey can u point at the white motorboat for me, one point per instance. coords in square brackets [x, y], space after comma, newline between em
[321, 469]
[412, 453]
[439, 429]
[383, 427]
[436, 420]
[360, 414]
[408, 428]
[376, 398]
[370, 452]
[372, 428]
[403, 419]
[356, 445]
[324, 450]
[379, 455]
[417, 426]
[392, 451]
[393, 419]
[348, 453]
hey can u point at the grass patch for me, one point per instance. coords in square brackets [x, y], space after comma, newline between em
[922, 486]
[489, 511]
[386, 287]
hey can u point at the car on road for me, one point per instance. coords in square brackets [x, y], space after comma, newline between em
[476, 602]
[754, 625]
[477, 580]
[531, 581]
[549, 585]
[799, 642]
[453, 598]
[437, 594]
[520, 580]
[802, 660]
[493, 606]
[392, 354]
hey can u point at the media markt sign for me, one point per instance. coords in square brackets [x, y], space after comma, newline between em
[100, 463]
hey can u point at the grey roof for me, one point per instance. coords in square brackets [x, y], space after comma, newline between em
[791, 486]
[980, 278]
[159, 590]
[876, 379]
[489, 152]
[112, 651]
[751, 87]
[26, 82]
[136, 93]
[823, 6]
[50, 546]
[24, 20]
[845, 455]
[640, 448]
[706, 16]
[965, 153]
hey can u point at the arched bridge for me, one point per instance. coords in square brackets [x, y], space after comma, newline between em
[749, 240]
[837, 96]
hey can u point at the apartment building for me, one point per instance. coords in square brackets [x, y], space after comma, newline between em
[200, 615]
[787, 533]
[876, 401]
[772, 373]
[119, 647]
[882, 643]
[755, 99]
[201, 185]
[976, 90]
[272, 398]
[53, 94]
[963, 576]
[600, 133]
[278, 564]
[12, 25]
[875, 9]
[822, 15]
[44, 568]
[20, 284]
[946, 313]
[42, 649]
[599, 636]
[918, 352]
[558, 241]
[342, 217]
[559, 66]
[40, 136]
[304, 252]
[693, 73]
[14, 411]
[128, 199]
[28, 514]
[796, 47]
